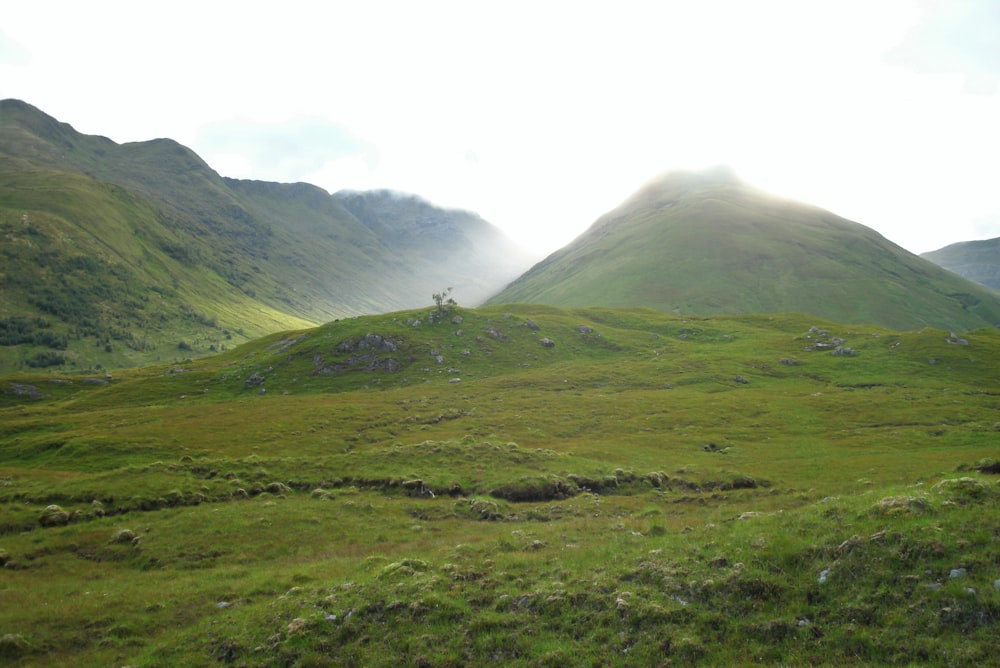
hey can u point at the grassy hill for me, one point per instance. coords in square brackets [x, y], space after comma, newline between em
[977, 261]
[140, 252]
[706, 243]
[521, 485]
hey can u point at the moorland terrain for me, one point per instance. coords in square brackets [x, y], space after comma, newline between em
[516, 485]
[746, 477]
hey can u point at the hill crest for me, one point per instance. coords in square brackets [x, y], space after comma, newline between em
[706, 243]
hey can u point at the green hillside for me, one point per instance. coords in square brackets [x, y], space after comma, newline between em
[140, 252]
[517, 485]
[705, 243]
[977, 261]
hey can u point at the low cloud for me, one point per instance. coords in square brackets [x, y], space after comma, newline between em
[958, 36]
[286, 151]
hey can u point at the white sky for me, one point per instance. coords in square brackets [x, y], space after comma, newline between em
[541, 116]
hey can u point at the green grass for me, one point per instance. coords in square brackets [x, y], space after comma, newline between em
[141, 253]
[617, 499]
[692, 243]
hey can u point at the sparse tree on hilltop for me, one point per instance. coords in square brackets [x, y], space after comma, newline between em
[444, 304]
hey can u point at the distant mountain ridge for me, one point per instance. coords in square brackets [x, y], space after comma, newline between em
[141, 250]
[706, 243]
[977, 260]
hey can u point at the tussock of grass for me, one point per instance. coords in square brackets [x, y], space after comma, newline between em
[588, 503]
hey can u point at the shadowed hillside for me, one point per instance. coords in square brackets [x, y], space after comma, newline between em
[702, 243]
[977, 261]
[121, 254]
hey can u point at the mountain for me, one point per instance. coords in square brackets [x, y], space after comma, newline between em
[706, 243]
[117, 254]
[454, 239]
[977, 261]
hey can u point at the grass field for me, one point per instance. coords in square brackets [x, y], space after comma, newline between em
[399, 490]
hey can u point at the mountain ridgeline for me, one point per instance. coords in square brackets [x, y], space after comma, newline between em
[978, 260]
[118, 254]
[122, 254]
[706, 243]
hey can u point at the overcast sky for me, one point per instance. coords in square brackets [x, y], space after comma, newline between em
[541, 116]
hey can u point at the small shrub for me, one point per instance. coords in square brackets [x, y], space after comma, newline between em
[44, 359]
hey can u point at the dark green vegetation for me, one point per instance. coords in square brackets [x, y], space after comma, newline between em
[140, 252]
[707, 243]
[977, 261]
[600, 487]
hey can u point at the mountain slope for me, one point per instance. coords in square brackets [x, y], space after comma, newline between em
[469, 253]
[140, 251]
[705, 243]
[977, 261]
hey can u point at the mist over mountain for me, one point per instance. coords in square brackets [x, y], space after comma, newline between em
[478, 256]
[977, 261]
[129, 252]
[707, 243]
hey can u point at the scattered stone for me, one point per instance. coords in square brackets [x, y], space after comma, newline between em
[824, 575]
[996, 584]
[532, 325]
[844, 351]
[23, 389]
[547, 343]
[222, 605]
[583, 329]
[53, 516]
[957, 573]
[457, 320]
[789, 362]
[741, 380]
[954, 339]
[254, 380]
[495, 333]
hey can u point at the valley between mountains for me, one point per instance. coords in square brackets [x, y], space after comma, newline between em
[246, 424]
